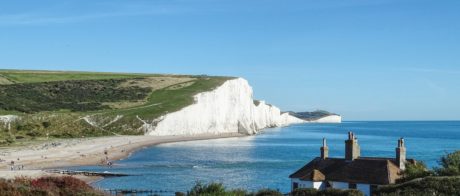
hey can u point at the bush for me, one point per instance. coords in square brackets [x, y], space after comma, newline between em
[304, 192]
[46, 186]
[10, 139]
[73, 95]
[210, 189]
[426, 186]
[414, 171]
[179, 194]
[33, 133]
[337, 192]
[268, 192]
[327, 192]
[46, 124]
[450, 165]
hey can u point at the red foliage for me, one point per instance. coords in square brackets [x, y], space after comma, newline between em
[46, 186]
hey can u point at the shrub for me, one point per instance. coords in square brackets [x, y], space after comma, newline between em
[304, 192]
[450, 164]
[46, 186]
[179, 194]
[33, 133]
[210, 189]
[46, 124]
[10, 139]
[213, 189]
[327, 192]
[338, 192]
[268, 192]
[73, 95]
[413, 171]
[426, 186]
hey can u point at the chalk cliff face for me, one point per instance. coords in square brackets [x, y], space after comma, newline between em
[329, 119]
[229, 108]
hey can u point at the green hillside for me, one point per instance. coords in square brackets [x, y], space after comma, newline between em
[75, 104]
[433, 185]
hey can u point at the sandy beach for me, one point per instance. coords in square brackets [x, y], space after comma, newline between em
[82, 151]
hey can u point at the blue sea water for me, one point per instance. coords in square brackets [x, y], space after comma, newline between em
[267, 159]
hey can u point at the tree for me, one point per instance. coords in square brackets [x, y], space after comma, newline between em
[450, 164]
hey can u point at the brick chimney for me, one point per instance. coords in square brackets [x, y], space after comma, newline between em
[401, 154]
[352, 150]
[324, 150]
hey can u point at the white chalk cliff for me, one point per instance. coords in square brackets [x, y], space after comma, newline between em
[329, 119]
[229, 108]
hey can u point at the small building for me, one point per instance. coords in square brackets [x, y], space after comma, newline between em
[351, 172]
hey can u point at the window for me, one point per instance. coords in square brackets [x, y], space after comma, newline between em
[352, 186]
[295, 185]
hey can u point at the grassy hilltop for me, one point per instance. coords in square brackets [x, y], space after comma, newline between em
[74, 104]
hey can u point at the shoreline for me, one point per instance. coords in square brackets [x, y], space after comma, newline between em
[83, 151]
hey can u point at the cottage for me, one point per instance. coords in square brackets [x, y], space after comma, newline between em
[351, 172]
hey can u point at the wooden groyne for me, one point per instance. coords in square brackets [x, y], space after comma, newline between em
[86, 173]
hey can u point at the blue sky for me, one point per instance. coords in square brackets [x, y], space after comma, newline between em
[364, 59]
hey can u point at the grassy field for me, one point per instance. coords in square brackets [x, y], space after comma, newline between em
[26, 76]
[81, 104]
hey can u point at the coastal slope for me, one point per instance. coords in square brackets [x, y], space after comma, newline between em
[43, 105]
[55, 119]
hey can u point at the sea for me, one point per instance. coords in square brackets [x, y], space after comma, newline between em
[267, 159]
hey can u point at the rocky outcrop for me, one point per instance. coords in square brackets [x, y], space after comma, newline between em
[6, 120]
[230, 108]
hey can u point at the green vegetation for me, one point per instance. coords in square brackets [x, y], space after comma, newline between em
[217, 189]
[315, 115]
[212, 189]
[76, 95]
[326, 192]
[450, 165]
[418, 180]
[438, 186]
[414, 171]
[19, 76]
[46, 186]
[84, 104]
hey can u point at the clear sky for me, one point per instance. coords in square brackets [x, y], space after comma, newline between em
[364, 59]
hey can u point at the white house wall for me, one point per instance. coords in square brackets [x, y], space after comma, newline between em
[302, 183]
[365, 188]
[318, 185]
[307, 184]
[340, 185]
